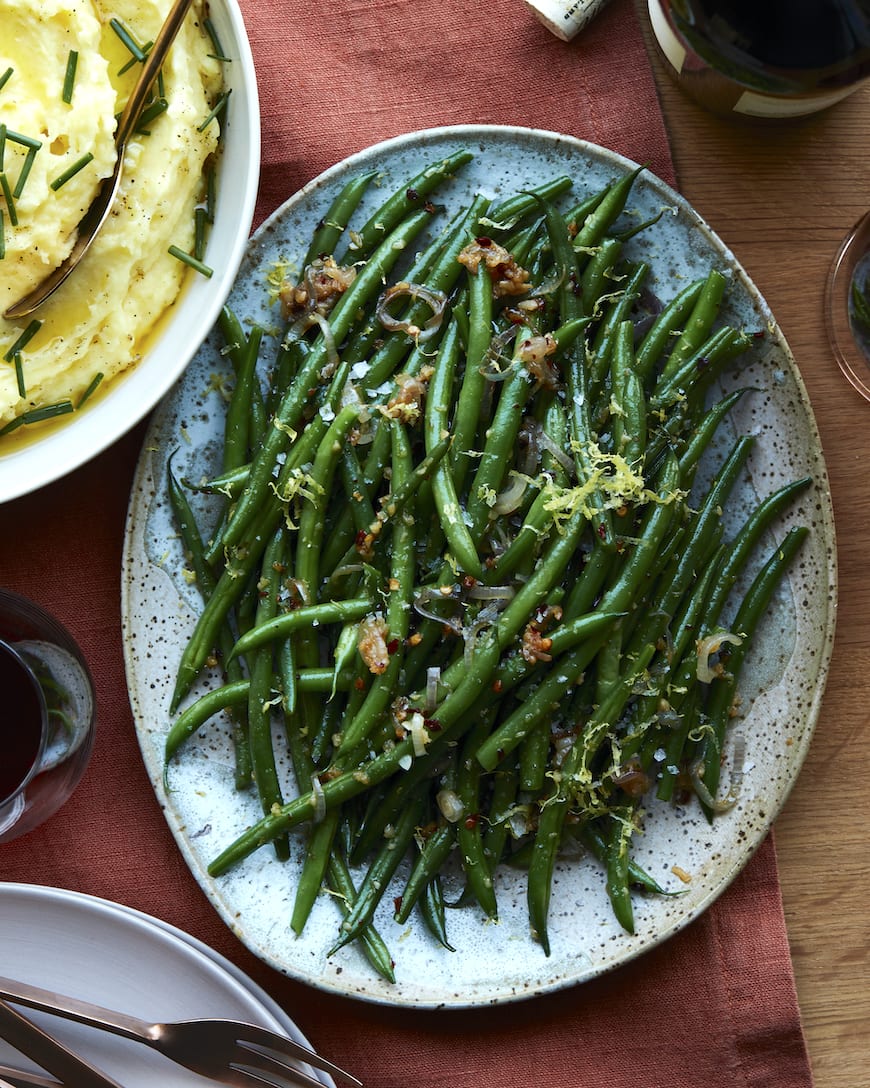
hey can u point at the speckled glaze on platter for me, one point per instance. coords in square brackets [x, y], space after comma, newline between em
[493, 963]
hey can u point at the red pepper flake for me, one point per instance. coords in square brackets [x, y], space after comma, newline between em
[496, 686]
[397, 903]
[602, 531]
[432, 725]
[359, 683]
[472, 821]
[392, 646]
[412, 194]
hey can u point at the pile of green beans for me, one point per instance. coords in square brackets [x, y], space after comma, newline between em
[464, 561]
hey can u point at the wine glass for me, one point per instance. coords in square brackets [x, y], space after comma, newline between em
[847, 306]
[48, 717]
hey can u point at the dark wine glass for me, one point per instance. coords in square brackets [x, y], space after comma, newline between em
[47, 719]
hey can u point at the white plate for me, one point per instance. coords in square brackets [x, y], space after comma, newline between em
[123, 959]
[493, 963]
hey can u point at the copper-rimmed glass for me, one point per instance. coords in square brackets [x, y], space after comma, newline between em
[847, 306]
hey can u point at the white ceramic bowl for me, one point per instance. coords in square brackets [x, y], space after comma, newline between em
[24, 467]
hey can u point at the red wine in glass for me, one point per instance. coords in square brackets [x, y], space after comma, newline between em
[23, 731]
[48, 716]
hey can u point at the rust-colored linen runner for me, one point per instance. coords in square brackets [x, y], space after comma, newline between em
[715, 1005]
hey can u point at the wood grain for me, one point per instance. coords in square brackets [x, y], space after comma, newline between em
[782, 196]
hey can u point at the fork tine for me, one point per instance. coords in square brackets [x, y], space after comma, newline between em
[259, 1040]
[288, 1074]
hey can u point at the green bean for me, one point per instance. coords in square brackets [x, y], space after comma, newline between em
[373, 944]
[507, 214]
[617, 312]
[237, 439]
[701, 365]
[378, 876]
[403, 202]
[504, 790]
[618, 868]
[334, 223]
[699, 324]
[233, 694]
[749, 615]
[596, 843]
[469, 832]
[534, 751]
[193, 546]
[437, 405]
[260, 693]
[315, 867]
[311, 520]
[542, 861]
[667, 323]
[478, 341]
[599, 268]
[606, 212]
[433, 853]
[401, 586]
[301, 618]
[431, 907]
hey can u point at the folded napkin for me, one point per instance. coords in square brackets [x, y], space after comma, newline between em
[716, 1004]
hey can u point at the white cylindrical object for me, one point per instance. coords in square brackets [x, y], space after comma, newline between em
[566, 18]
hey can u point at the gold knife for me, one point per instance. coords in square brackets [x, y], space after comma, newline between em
[48, 1053]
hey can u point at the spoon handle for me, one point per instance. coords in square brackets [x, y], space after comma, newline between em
[150, 67]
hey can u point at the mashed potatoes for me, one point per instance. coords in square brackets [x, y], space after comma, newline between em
[54, 155]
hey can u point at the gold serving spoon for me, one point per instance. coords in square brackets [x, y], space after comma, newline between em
[98, 212]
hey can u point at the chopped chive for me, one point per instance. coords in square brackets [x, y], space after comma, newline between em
[10, 203]
[211, 30]
[151, 113]
[91, 389]
[210, 191]
[4, 79]
[19, 375]
[12, 425]
[69, 78]
[39, 415]
[2, 235]
[23, 340]
[25, 171]
[160, 85]
[200, 222]
[25, 141]
[127, 39]
[2, 144]
[71, 171]
[188, 258]
[218, 108]
[49, 411]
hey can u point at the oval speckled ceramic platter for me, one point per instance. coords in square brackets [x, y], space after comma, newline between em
[500, 962]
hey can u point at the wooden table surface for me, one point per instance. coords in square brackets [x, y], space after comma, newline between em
[781, 197]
